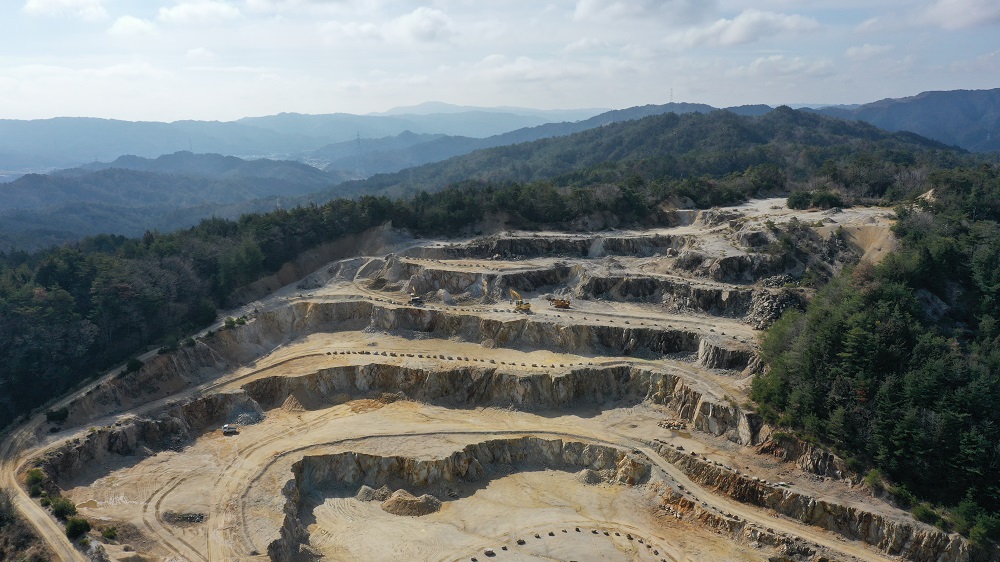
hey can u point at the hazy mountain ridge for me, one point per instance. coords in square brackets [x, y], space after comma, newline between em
[134, 194]
[216, 166]
[966, 118]
[379, 156]
[679, 140]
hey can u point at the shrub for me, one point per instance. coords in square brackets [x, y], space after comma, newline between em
[799, 200]
[133, 365]
[110, 533]
[873, 481]
[46, 502]
[35, 491]
[77, 526]
[35, 476]
[58, 415]
[925, 513]
[903, 496]
[987, 527]
[62, 508]
[826, 200]
[169, 346]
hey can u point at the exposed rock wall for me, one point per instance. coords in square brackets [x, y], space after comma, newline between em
[897, 537]
[475, 463]
[809, 458]
[141, 436]
[526, 246]
[677, 293]
[162, 375]
[463, 387]
[488, 386]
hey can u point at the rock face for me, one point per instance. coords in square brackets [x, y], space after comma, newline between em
[489, 386]
[583, 246]
[809, 458]
[907, 539]
[461, 387]
[140, 436]
[476, 463]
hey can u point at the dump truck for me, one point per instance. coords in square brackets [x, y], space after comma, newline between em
[558, 302]
[230, 429]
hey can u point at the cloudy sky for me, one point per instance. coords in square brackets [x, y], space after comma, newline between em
[224, 59]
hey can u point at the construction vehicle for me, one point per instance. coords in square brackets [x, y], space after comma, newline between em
[558, 302]
[230, 429]
[415, 300]
[519, 303]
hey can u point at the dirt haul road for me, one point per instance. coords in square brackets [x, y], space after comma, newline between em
[376, 428]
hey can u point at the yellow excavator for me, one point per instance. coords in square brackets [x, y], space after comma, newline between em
[519, 303]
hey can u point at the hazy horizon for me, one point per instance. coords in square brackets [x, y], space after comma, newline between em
[170, 60]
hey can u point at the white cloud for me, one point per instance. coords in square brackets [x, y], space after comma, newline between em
[501, 68]
[961, 14]
[749, 26]
[867, 51]
[131, 25]
[780, 65]
[204, 11]
[90, 10]
[604, 10]
[327, 7]
[985, 64]
[585, 44]
[351, 30]
[200, 53]
[423, 25]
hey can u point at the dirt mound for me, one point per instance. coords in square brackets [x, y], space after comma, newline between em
[588, 476]
[404, 503]
[365, 494]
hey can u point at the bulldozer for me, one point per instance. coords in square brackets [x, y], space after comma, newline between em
[519, 303]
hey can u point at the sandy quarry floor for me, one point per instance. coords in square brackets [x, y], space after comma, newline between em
[219, 497]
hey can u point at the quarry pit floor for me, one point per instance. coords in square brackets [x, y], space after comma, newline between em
[220, 497]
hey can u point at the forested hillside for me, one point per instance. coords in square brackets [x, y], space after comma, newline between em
[135, 194]
[966, 118]
[676, 146]
[897, 364]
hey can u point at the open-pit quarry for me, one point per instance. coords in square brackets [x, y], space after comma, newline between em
[373, 426]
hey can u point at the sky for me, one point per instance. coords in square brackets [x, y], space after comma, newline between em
[166, 60]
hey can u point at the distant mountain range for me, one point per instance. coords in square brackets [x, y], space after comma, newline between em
[675, 145]
[128, 194]
[966, 118]
[63, 142]
[133, 194]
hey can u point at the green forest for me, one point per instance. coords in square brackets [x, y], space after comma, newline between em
[896, 365]
[893, 365]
